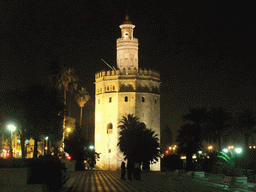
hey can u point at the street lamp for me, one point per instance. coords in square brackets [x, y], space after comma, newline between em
[238, 150]
[210, 148]
[11, 128]
[45, 145]
[91, 147]
[225, 150]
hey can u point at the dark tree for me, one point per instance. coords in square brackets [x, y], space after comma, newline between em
[196, 116]
[44, 113]
[217, 121]
[76, 144]
[137, 143]
[13, 111]
[247, 123]
[188, 142]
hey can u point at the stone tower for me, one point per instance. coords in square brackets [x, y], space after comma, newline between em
[126, 90]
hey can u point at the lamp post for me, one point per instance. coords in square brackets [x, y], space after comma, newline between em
[11, 128]
[237, 150]
[91, 147]
[210, 148]
[45, 145]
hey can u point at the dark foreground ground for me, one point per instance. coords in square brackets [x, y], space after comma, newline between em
[98, 180]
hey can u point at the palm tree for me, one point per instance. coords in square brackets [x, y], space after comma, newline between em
[42, 107]
[217, 121]
[81, 98]
[247, 122]
[13, 110]
[130, 122]
[188, 142]
[136, 141]
[150, 147]
[66, 80]
[197, 116]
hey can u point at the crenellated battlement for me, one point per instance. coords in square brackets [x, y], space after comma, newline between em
[128, 72]
[121, 40]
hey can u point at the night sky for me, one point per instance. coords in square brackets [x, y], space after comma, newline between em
[205, 52]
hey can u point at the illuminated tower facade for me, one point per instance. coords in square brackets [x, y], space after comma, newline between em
[126, 90]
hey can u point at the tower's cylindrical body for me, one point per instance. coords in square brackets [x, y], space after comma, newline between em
[128, 90]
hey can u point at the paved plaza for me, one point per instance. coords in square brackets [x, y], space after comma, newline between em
[98, 180]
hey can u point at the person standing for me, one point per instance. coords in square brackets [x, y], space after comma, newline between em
[137, 170]
[123, 170]
[130, 168]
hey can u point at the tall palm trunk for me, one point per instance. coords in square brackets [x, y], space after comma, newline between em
[64, 119]
[218, 141]
[81, 115]
[22, 141]
[35, 148]
[189, 161]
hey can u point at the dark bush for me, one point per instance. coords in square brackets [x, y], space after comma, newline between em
[80, 166]
[172, 162]
[48, 170]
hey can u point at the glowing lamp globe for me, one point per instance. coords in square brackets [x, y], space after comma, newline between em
[238, 150]
[11, 128]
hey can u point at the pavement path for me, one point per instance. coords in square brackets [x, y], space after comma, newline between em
[99, 180]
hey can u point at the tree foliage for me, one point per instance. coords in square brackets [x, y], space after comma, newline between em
[188, 142]
[44, 113]
[75, 144]
[136, 141]
[13, 111]
[247, 122]
[217, 121]
[192, 133]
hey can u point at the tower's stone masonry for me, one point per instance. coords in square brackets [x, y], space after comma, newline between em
[127, 90]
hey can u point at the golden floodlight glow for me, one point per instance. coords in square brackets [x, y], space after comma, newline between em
[98, 116]
[68, 129]
[170, 148]
[210, 147]
[250, 147]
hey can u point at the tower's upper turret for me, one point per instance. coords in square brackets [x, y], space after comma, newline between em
[127, 28]
[127, 47]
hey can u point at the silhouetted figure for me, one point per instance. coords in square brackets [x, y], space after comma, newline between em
[123, 170]
[130, 168]
[137, 170]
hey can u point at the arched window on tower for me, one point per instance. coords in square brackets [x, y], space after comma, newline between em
[110, 99]
[155, 100]
[109, 128]
[126, 99]
[143, 99]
